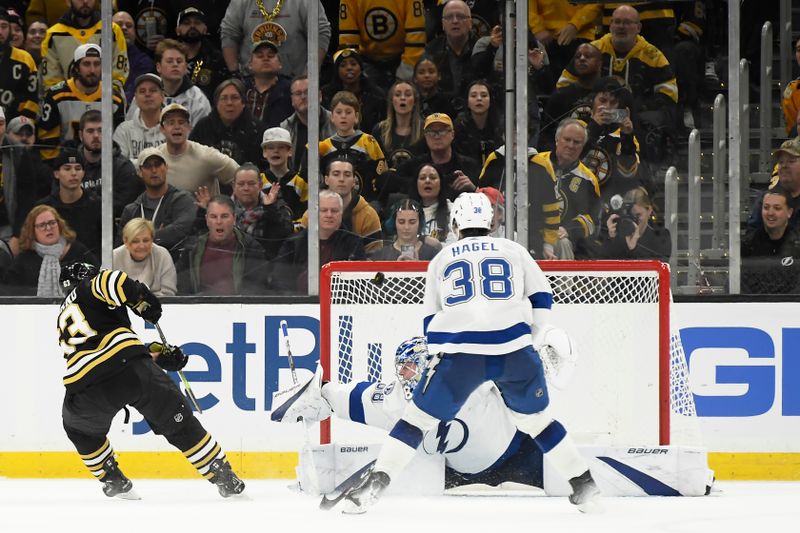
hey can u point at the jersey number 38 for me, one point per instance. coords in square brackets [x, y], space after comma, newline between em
[494, 281]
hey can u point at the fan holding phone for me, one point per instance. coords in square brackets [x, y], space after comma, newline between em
[407, 219]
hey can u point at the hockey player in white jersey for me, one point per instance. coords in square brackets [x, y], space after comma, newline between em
[480, 446]
[484, 299]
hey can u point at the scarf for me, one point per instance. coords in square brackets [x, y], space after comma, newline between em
[50, 270]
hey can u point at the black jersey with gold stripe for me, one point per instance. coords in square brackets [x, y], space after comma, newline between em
[94, 328]
[19, 83]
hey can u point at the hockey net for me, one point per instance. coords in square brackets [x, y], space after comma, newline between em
[631, 385]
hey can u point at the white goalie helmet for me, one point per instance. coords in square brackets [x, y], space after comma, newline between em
[472, 210]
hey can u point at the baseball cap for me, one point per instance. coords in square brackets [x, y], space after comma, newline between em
[86, 50]
[66, 156]
[492, 194]
[438, 118]
[147, 153]
[17, 123]
[191, 12]
[173, 107]
[276, 135]
[149, 76]
[264, 42]
[791, 147]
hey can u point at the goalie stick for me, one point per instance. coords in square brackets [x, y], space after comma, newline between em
[285, 333]
[185, 381]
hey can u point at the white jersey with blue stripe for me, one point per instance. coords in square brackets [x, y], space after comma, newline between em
[476, 440]
[482, 295]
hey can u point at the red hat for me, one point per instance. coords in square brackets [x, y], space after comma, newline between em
[493, 194]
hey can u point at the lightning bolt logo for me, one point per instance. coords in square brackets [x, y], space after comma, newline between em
[441, 436]
[430, 371]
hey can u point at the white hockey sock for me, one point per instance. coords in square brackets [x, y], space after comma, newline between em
[394, 457]
[566, 458]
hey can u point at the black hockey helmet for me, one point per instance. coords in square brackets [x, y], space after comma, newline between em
[73, 273]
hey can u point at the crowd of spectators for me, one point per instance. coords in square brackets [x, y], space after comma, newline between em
[211, 103]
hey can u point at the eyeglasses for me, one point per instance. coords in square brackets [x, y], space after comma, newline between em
[300, 93]
[230, 98]
[436, 134]
[46, 225]
[455, 18]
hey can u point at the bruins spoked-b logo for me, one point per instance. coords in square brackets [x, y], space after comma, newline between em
[380, 23]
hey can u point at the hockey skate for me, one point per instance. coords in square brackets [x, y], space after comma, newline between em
[303, 401]
[227, 482]
[363, 496]
[585, 494]
[115, 483]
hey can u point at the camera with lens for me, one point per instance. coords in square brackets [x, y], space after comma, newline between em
[628, 221]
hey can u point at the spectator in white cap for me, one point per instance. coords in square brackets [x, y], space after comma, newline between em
[60, 43]
[143, 129]
[172, 211]
[191, 165]
[203, 57]
[276, 146]
[17, 191]
[230, 128]
[66, 102]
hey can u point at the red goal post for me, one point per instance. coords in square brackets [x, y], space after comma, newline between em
[630, 388]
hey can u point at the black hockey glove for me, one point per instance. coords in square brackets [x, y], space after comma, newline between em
[148, 306]
[171, 358]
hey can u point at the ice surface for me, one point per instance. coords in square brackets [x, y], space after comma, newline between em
[72, 505]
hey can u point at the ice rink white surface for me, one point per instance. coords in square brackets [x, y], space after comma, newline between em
[33, 505]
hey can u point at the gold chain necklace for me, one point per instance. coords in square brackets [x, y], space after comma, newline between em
[196, 70]
[275, 11]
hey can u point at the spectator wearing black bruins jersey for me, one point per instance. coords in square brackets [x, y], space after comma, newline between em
[66, 102]
[78, 26]
[18, 77]
[108, 368]
[352, 144]
[389, 35]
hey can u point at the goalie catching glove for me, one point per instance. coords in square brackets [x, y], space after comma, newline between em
[146, 305]
[557, 353]
[170, 358]
[303, 401]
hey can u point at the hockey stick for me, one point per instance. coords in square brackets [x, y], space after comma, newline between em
[185, 381]
[329, 501]
[285, 332]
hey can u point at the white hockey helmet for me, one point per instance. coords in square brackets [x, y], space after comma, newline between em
[472, 210]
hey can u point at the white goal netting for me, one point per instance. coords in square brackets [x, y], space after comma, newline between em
[631, 383]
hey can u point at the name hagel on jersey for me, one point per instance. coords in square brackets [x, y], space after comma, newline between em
[487, 288]
[94, 328]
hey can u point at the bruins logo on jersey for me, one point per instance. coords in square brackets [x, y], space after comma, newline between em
[380, 24]
[599, 162]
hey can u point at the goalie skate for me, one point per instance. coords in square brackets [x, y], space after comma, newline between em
[585, 494]
[365, 495]
[303, 401]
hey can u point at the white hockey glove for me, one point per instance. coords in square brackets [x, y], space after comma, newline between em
[302, 401]
[558, 354]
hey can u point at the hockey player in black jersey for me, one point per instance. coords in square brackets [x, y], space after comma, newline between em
[108, 367]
